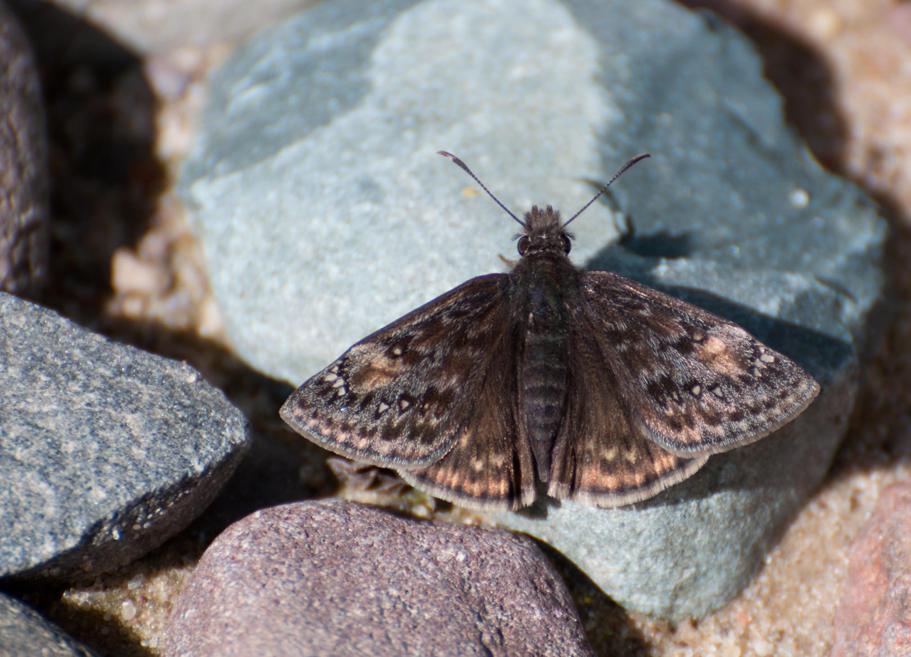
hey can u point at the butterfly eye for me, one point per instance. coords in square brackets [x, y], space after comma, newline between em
[567, 245]
[523, 245]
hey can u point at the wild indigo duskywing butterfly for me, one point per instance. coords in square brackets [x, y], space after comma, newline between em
[596, 387]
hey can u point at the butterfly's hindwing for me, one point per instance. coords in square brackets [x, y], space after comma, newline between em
[600, 456]
[693, 382]
[401, 395]
[490, 464]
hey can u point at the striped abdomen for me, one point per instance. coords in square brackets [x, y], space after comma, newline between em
[544, 371]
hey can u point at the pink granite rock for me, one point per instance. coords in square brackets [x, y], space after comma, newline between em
[874, 615]
[336, 578]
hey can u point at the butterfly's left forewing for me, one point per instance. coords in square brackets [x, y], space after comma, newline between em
[400, 396]
[490, 464]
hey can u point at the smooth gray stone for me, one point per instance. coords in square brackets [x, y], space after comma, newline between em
[24, 194]
[106, 451]
[337, 579]
[324, 214]
[25, 632]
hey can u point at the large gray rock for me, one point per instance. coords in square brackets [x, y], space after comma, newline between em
[23, 631]
[324, 214]
[24, 201]
[337, 579]
[106, 451]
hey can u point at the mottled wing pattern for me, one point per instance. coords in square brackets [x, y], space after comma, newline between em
[600, 456]
[490, 464]
[692, 382]
[401, 395]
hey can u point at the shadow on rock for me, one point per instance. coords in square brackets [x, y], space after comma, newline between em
[608, 626]
[105, 177]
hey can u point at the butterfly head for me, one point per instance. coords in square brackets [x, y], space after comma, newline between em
[544, 233]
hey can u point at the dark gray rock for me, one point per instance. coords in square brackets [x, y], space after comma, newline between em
[24, 632]
[107, 451]
[23, 162]
[336, 578]
[325, 214]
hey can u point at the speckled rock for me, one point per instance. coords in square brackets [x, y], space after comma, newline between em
[23, 164]
[872, 616]
[107, 450]
[24, 632]
[324, 214]
[340, 579]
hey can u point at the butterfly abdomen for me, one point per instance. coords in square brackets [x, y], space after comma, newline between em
[544, 367]
[543, 389]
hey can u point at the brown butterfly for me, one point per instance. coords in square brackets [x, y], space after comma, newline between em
[582, 383]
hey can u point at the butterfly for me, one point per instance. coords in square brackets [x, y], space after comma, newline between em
[583, 385]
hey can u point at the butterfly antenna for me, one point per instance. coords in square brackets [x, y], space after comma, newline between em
[465, 168]
[619, 173]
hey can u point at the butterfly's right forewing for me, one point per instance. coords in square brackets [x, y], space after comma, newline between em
[400, 396]
[692, 382]
[601, 456]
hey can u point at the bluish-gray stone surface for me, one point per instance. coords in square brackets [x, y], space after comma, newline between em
[106, 451]
[26, 633]
[324, 214]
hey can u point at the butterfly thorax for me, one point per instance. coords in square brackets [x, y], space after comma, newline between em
[544, 284]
